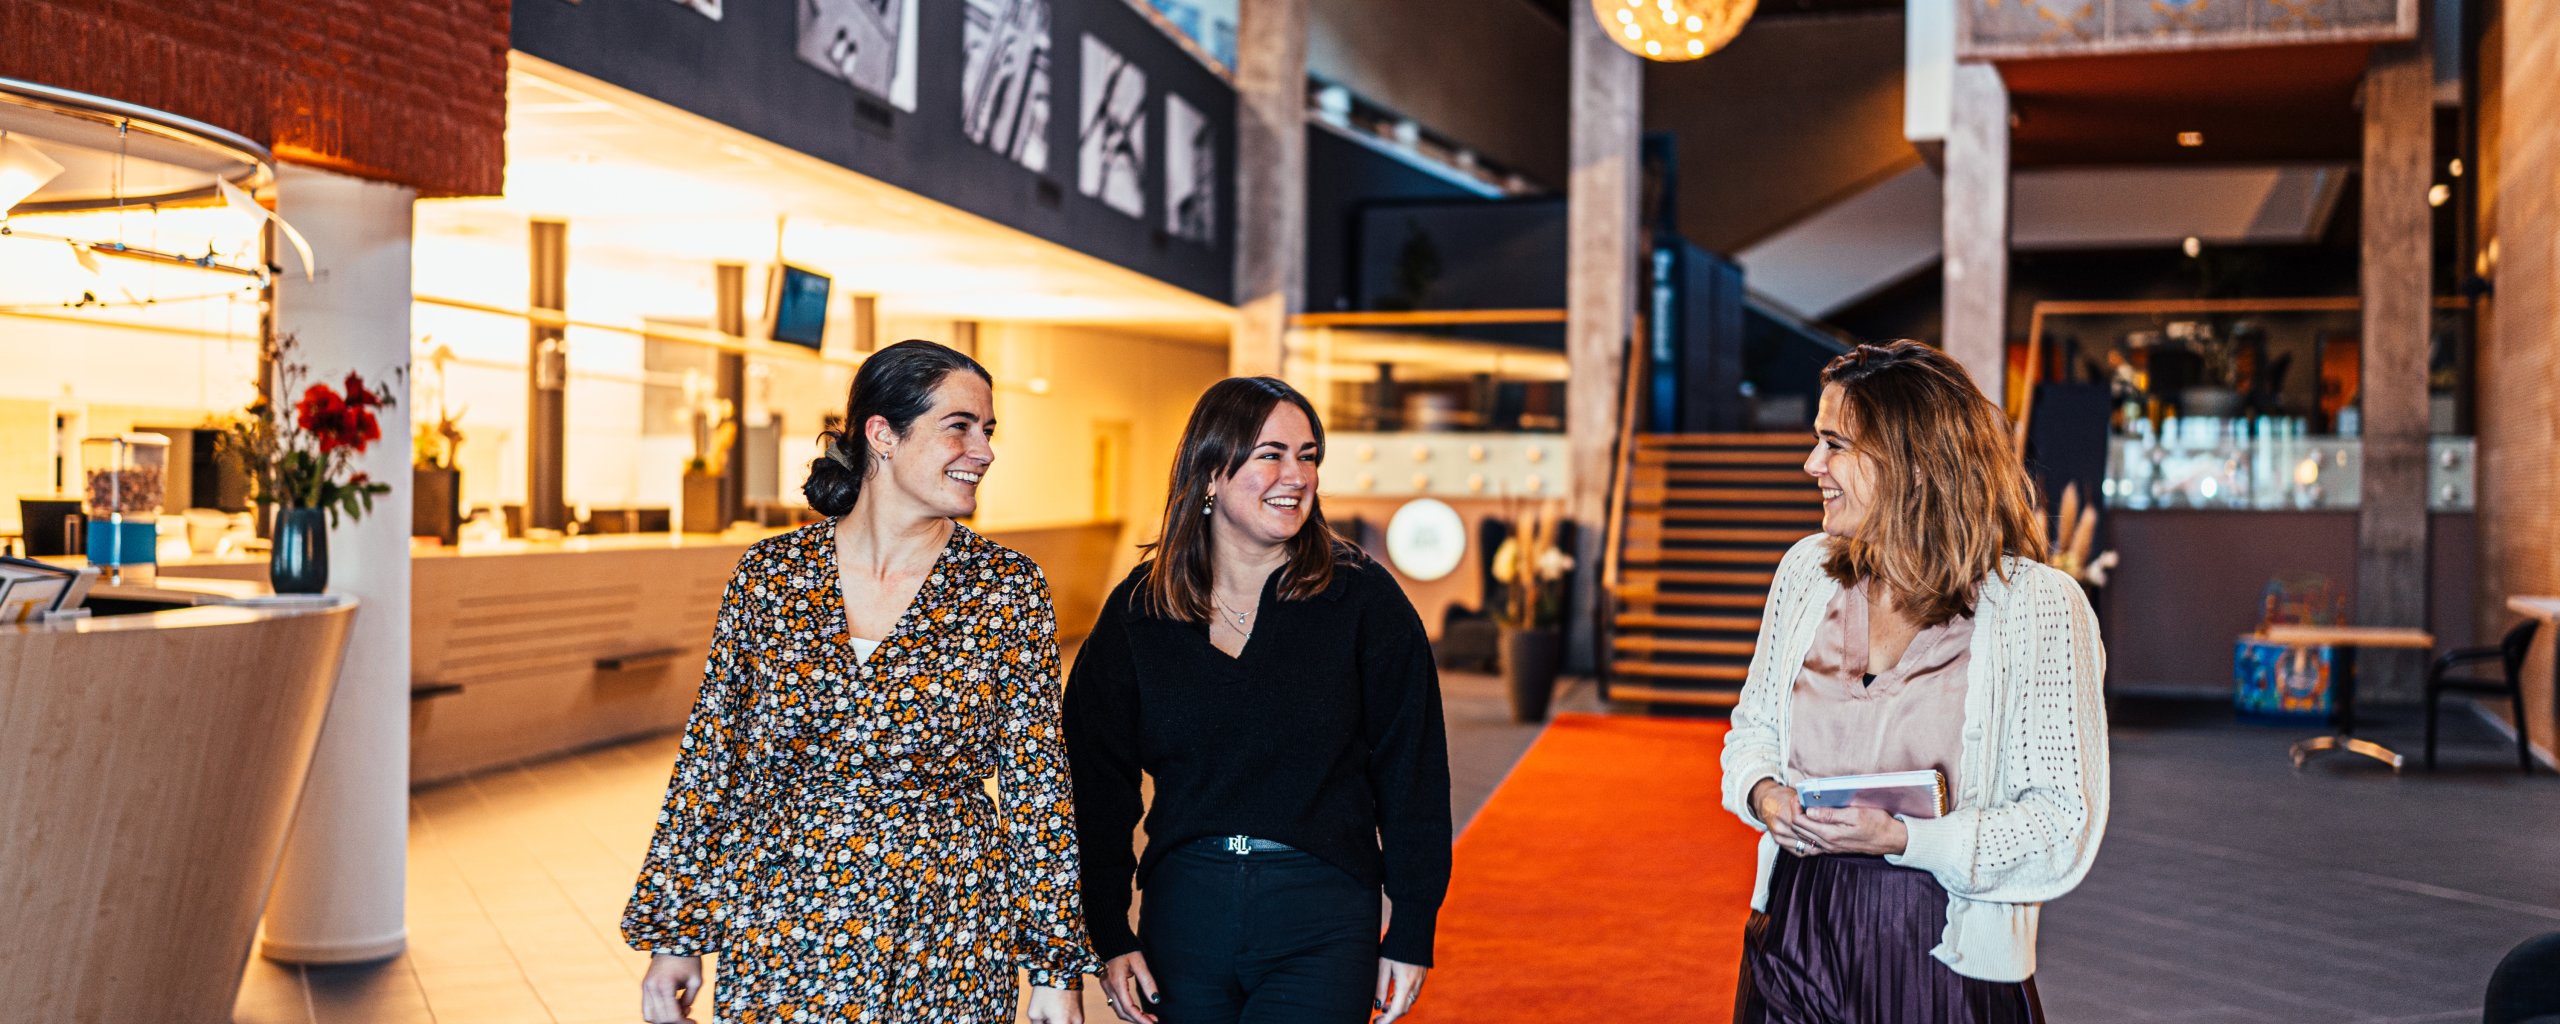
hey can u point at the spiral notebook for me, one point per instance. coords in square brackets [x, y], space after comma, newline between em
[1917, 794]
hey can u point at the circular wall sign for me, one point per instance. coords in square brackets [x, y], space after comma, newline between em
[1427, 539]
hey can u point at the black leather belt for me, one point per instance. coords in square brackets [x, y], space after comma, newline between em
[1242, 846]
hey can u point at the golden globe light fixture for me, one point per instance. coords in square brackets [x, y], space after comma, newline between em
[1673, 30]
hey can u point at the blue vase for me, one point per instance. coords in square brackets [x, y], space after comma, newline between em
[299, 563]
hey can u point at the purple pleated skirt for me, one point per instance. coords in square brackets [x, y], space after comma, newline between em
[1846, 940]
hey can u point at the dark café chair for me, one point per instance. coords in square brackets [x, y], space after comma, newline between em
[2525, 989]
[2510, 655]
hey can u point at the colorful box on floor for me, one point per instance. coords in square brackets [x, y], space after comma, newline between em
[2279, 682]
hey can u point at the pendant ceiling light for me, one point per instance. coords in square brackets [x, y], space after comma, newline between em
[1673, 30]
[23, 170]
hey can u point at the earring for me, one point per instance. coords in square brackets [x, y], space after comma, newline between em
[1208, 503]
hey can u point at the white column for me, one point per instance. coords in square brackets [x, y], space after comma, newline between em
[338, 896]
[1976, 329]
[1271, 184]
[1600, 292]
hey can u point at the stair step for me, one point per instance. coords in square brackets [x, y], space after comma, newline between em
[1709, 577]
[1667, 475]
[1809, 518]
[1719, 457]
[1635, 556]
[1755, 602]
[1724, 440]
[1802, 497]
[1638, 693]
[1689, 623]
[1656, 533]
[1675, 670]
[1684, 645]
[1649, 586]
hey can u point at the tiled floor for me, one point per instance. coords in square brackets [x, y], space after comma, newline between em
[2231, 889]
[517, 880]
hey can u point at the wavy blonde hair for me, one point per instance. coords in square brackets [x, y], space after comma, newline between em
[1951, 495]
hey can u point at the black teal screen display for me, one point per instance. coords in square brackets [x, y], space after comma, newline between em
[800, 306]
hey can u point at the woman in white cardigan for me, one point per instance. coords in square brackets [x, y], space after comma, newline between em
[1919, 630]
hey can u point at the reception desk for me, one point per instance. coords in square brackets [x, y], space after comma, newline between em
[155, 762]
[529, 649]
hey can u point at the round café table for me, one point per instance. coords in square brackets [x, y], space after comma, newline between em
[2343, 641]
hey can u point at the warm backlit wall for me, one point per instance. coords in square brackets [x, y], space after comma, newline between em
[1100, 443]
[407, 91]
[2519, 335]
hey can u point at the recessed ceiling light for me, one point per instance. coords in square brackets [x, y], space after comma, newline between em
[2438, 193]
[2455, 167]
[2192, 245]
[2191, 139]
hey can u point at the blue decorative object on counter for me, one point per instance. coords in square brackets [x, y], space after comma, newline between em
[124, 482]
[299, 563]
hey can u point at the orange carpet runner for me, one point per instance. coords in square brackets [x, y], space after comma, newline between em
[1603, 882]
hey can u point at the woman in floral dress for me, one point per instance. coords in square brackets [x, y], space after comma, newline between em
[827, 831]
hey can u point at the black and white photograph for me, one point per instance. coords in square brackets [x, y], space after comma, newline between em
[870, 44]
[1190, 172]
[1004, 91]
[1111, 137]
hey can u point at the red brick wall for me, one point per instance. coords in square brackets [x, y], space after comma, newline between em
[406, 91]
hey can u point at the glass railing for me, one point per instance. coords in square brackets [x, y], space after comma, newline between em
[2263, 463]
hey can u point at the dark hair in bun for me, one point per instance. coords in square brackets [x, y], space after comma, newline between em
[896, 384]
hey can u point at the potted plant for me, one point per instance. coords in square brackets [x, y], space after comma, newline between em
[299, 461]
[1531, 570]
[436, 504]
[704, 473]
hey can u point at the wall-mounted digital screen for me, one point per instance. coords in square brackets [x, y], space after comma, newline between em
[800, 306]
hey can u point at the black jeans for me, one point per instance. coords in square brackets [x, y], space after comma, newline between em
[1277, 937]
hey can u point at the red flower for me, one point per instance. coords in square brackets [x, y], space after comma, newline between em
[319, 412]
[358, 395]
[336, 422]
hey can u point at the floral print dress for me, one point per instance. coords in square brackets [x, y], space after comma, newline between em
[828, 832]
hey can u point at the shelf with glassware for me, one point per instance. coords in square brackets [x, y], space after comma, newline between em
[2263, 463]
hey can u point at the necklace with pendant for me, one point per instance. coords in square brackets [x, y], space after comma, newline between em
[1237, 616]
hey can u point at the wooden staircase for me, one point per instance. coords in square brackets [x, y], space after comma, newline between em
[1703, 521]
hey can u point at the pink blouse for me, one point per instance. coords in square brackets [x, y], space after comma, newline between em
[1910, 718]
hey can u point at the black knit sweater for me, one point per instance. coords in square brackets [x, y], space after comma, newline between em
[1325, 735]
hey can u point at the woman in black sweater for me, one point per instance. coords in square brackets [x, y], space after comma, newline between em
[1279, 690]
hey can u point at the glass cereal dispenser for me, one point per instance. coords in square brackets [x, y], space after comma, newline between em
[126, 478]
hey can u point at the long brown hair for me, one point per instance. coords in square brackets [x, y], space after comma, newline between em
[1951, 496]
[1221, 435]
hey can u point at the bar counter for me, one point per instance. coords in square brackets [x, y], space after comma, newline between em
[526, 649]
[160, 756]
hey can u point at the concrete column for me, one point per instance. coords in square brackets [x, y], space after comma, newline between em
[1976, 330]
[2391, 522]
[1271, 182]
[1600, 294]
[338, 894]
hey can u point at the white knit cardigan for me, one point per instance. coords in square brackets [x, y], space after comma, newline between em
[2031, 798]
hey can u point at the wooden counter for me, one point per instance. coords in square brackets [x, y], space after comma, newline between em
[156, 760]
